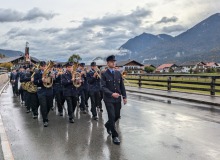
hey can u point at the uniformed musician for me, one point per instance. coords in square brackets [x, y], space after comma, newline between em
[83, 91]
[94, 82]
[70, 92]
[45, 95]
[58, 89]
[113, 91]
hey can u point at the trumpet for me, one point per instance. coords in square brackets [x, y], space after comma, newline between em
[83, 72]
[60, 71]
[97, 71]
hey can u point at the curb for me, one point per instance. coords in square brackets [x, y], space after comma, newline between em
[175, 97]
[6, 147]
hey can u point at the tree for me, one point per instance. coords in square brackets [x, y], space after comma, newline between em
[149, 69]
[7, 65]
[211, 70]
[74, 58]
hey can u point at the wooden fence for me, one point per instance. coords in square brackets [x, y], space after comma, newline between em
[180, 81]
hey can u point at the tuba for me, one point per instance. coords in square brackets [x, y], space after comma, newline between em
[23, 86]
[31, 88]
[76, 75]
[46, 75]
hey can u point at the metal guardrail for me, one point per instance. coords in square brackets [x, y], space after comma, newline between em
[3, 70]
[144, 79]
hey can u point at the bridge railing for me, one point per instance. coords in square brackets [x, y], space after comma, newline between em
[3, 70]
[187, 82]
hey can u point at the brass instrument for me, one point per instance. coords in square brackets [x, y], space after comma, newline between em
[23, 86]
[46, 75]
[60, 71]
[76, 76]
[85, 72]
[124, 74]
[98, 73]
[31, 88]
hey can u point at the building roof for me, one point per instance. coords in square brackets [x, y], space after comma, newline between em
[191, 63]
[35, 59]
[123, 63]
[165, 66]
[10, 59]
[210, 64]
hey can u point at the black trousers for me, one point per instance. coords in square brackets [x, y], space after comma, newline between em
[113, 110]
[71, 105]
[95, 101]
[28, 100]
[21, 92]
[84, 99]
[86, 91]
[25, 96]
[101, 98]
[34, 103]
[60, 100]
[46, 103]
[15, 88]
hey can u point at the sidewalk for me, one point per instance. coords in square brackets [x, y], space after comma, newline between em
[199, 98]
[5, 150]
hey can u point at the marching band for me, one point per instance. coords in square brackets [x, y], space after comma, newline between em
[72, 83]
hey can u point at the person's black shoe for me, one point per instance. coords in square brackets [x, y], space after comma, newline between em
[83, 111]
[108, 130]
[35, 116]
[116, 140]
[71, 120]
[95, 118]
[61, 114]
[28, 111]
[45, 124]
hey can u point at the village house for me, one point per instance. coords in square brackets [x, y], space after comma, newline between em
[188, 67]
[131, 66]
[211, 65]
[18, 61]
[166, 68]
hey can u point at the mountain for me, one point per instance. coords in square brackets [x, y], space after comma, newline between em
[10, 53]
[201, 42]
[144, 41]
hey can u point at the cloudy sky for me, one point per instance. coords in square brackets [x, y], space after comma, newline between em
[56, 29]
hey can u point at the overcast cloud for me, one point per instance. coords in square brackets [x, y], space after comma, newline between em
[93, 28]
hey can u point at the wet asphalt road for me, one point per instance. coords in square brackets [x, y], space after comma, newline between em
[151, 128]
